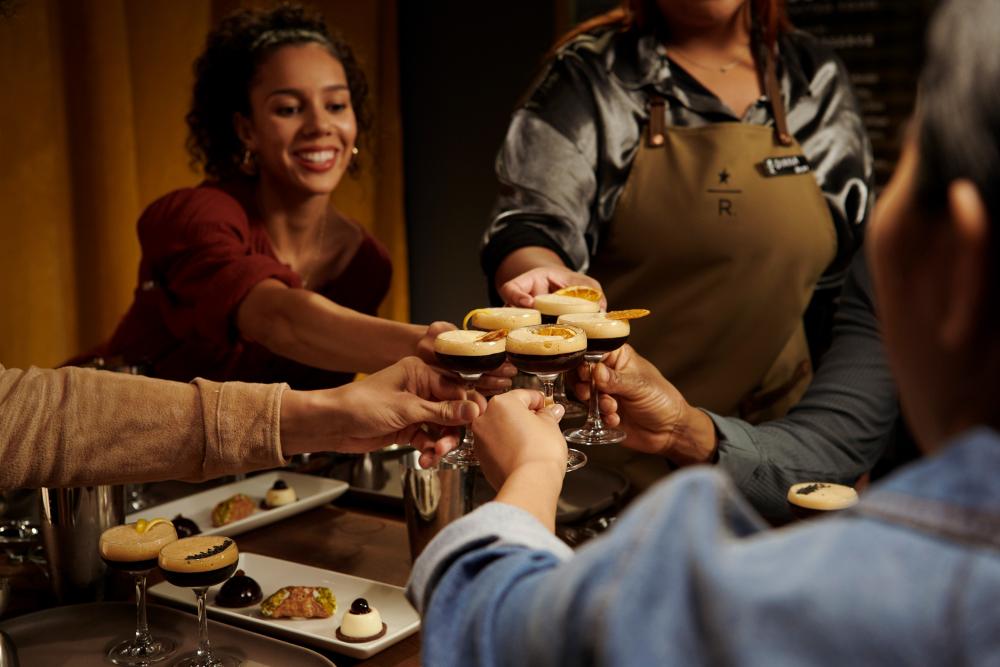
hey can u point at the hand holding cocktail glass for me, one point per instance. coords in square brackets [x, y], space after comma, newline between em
[546, 351]
[606, 332]
[469, 353]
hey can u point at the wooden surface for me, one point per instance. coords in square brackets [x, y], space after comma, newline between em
[355, 542]
[358, 541]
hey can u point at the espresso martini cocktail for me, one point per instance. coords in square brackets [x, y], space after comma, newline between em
[134, 548]
[506, 317]
[604, 334]
[469, 353]
[200, 562]
[547, 350]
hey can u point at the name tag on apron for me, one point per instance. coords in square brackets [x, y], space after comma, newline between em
[783, 166]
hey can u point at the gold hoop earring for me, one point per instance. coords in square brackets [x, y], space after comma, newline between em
[248, 164]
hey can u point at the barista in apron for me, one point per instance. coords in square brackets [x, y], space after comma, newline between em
[723, 233]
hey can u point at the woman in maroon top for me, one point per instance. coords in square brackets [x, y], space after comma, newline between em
[253, 275]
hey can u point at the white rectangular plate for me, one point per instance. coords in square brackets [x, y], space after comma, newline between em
[312, 492]
[400, 618]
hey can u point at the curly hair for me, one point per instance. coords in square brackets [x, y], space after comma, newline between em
[226, 69]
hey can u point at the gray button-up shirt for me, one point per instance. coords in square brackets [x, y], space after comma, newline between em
[570, 146]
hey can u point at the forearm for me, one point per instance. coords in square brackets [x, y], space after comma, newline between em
[311, 421]
[535, 488]
[692, 440]
[75, 427]
[841, 426]
[309, 328]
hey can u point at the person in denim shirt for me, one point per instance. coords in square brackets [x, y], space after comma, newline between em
[690, 574]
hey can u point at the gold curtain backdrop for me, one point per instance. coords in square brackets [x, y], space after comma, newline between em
[92, 130]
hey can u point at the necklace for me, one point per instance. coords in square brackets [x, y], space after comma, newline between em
[722, 69]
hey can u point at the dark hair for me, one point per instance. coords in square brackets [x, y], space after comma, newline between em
[769, 17]
[958, 112]
[225, 71]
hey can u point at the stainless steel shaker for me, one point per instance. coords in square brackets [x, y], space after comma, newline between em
[72, 520]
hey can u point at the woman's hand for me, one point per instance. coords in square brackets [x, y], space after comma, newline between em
[522, 452]
[653, 414]
[522, 290]
[406, 402]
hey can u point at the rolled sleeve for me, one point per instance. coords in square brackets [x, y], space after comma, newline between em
[496, 524]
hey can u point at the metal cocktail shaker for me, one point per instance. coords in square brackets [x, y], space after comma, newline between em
[72, 522]
[434, 497]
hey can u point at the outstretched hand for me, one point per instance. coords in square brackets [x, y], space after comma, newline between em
[406, 402]
[517, 431]
[654, 415]
[522, 290]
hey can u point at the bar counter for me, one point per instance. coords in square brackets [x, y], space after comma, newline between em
[351, 537]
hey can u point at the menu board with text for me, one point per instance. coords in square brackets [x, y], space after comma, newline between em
[881, 42]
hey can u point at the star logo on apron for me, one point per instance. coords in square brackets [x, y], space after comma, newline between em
[723, 193]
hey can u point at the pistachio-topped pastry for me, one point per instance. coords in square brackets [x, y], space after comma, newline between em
[362, 623]
[232, 509]
[300, 602]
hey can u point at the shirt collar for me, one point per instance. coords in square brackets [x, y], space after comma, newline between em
[639, 61]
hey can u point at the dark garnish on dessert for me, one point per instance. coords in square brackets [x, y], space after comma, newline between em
[217, 549]
[279, 484]
[185, 527]
[239, 591]
[360, 606]
[812, 488]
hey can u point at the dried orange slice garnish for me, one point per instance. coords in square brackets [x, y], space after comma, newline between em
[469, 315]
[550, 330]
[581, 292]
[496, 334]
[141, 526]
[631, 314]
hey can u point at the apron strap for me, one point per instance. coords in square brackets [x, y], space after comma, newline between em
[656, 128]
[773, 91]
[965, 525]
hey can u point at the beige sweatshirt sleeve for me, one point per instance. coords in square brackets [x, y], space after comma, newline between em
[76, 427]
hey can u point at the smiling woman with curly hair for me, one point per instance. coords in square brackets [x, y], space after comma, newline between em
[254, 275]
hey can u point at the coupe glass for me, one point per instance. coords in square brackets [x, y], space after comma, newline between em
[129, 549]
[528, 350]
[604, 335]
[199, 563]
[469, 353]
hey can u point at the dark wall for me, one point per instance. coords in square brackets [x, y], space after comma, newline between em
[461, 76]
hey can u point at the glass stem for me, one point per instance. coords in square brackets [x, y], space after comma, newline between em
[548, 389]
[594, 422]
[204, 649]
[141, 625]
[468, 439]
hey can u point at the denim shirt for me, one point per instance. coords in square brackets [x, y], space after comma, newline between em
[690, 575]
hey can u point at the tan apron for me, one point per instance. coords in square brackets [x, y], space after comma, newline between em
[723, 233]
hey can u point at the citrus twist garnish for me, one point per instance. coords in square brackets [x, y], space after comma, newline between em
[141, 526]
[469, 315]
[562, 332]
[581, 292]
[631, 314]
[496, 334]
